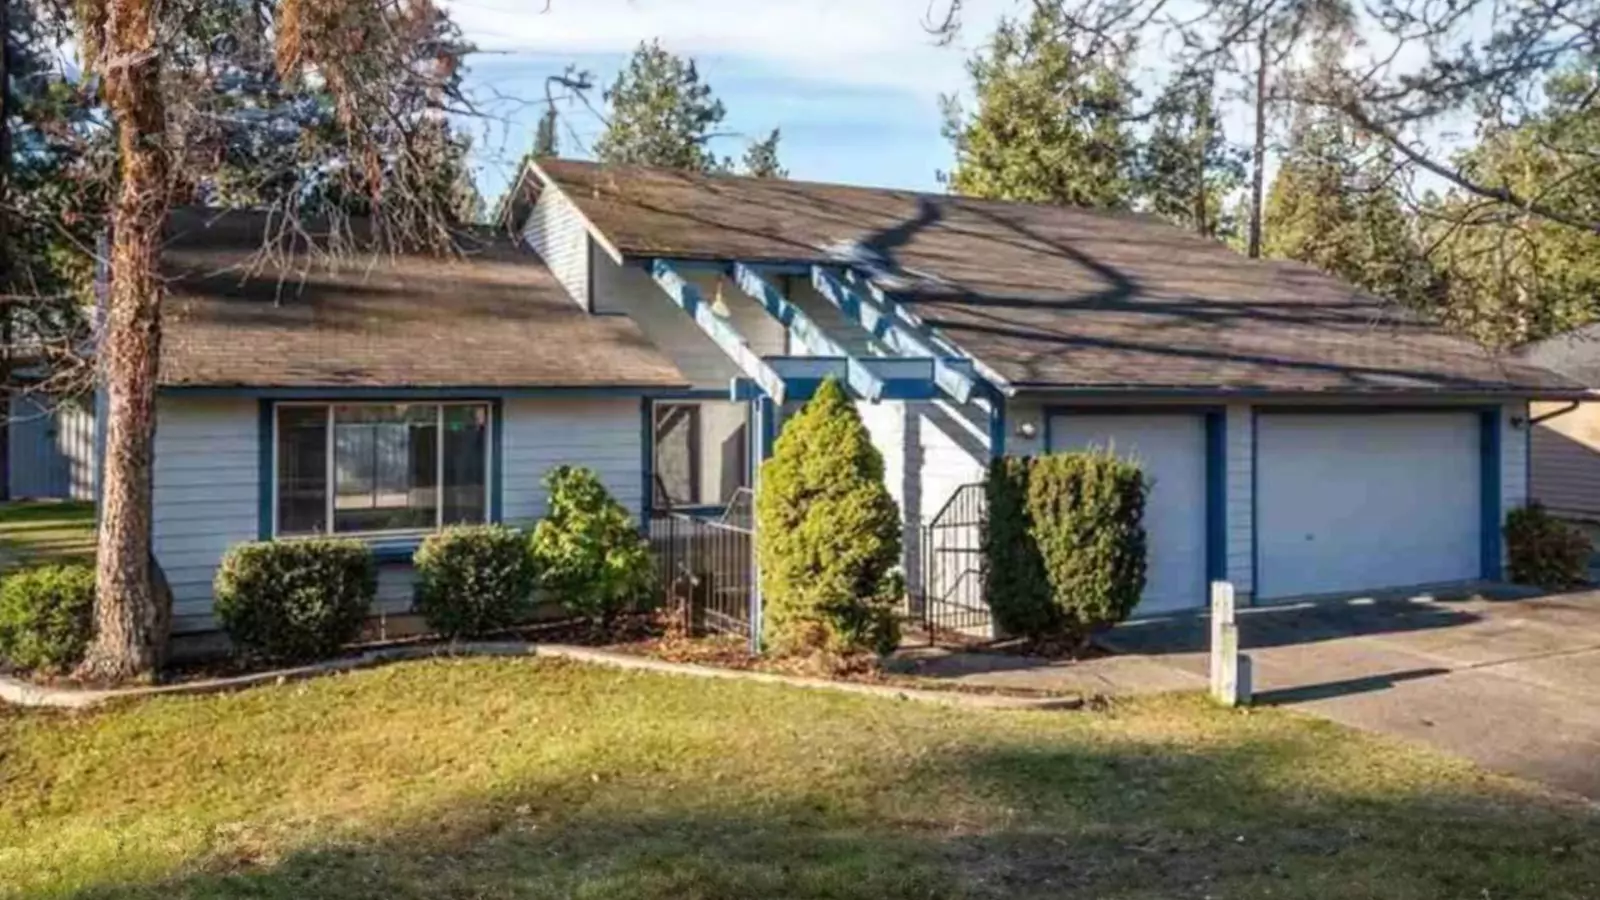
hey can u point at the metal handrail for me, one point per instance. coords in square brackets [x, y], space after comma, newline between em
[954, 496]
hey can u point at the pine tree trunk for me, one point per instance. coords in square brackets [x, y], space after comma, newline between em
[1259, 158]
[130, 629]
[6, 287]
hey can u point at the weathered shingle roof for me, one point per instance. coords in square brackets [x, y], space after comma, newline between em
[1575, 354]
[495, 318]
[1055, 297]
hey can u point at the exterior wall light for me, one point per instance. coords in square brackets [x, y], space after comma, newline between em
[1027, 430]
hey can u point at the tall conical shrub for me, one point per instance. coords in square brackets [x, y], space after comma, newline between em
[828, 535]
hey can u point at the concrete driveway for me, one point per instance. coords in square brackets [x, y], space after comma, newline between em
[1511, 684]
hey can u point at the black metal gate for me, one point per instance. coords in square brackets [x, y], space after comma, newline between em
[953, 605]
[705, 566]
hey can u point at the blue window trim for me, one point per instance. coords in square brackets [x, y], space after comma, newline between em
[386, 549]
[1214, 420]
[759, 419]
[647, 462]
[266, 481]
[497, 459]
[1490, 459]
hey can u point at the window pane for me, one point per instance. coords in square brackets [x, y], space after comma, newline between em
[725, 450]
[677, 463]
[466, 437]
[385, 467]
[302, 469]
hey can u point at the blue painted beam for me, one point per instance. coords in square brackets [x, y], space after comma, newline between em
[688, 298]
[952, 375]
[893, 309]
[861, 379]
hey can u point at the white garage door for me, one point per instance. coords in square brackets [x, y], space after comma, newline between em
[1172, 451]
[1355, 502]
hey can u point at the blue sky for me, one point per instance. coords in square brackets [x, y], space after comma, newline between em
[854, 86]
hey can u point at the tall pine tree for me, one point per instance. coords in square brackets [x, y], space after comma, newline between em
[1051, 119]
[761, 158]
[662, 114]
[1333, 206]
[1186, 167]
[546, 142]
[1510, 275]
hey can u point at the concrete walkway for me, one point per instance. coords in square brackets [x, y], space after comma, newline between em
[1511, 684]
[1123, 675]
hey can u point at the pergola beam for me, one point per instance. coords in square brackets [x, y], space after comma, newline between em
[726, 337]
[948, 372]
[857, 374]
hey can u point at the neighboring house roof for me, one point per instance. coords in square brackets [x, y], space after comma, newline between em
[494, 318]
[1053, 297]
[1575, 354]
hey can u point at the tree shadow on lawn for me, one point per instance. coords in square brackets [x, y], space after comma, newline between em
[1139, 820]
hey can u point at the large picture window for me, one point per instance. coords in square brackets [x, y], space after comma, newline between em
[376, 468]
[702, 452]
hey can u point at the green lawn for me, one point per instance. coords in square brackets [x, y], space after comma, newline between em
[524, 778]
[35, 532]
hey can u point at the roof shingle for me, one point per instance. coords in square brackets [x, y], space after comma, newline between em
[1056, 297]
[495, 318]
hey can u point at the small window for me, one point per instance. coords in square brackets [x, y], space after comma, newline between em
[381, 468]
[701, 454]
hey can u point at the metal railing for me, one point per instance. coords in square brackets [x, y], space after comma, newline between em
[705, 566]
[952, 593]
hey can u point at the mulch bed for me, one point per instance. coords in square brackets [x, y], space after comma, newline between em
[731, 652]
[209, 668]
[644, 635]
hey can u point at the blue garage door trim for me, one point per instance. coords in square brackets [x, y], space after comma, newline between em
[1489, 451]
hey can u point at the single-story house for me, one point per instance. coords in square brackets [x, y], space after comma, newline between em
[1564, 462]
[1302, 438]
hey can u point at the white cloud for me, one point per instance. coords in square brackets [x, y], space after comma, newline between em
[867, 43]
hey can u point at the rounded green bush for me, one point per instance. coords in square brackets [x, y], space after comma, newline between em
[828, 535]
[1014, 580]
[47, 617]
[474, 579]
[295, 600]
[1086, 515]
[590, 554]
[1544, 551]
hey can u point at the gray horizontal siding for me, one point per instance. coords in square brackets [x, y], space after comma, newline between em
[206, 483]
[1565, 474]
[540, 434]
[396, 584]
[205, 495]
[555, 230]
[51, 448]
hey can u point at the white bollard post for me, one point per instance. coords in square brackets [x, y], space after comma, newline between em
[1230, 673]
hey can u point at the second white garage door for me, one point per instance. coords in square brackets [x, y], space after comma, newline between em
[1363, 502]
[1172, 451]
